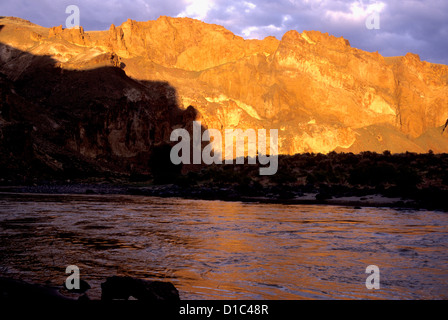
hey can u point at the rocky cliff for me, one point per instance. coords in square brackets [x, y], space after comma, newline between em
[115, 94]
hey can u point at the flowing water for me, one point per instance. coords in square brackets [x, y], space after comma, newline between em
[226, 250]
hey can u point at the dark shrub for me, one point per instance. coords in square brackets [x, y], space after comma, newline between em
[162, 169]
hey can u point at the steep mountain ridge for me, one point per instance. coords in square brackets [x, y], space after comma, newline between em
[317, 90]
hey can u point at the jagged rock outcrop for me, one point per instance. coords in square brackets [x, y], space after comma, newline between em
[69, 123]
[111, 91]
[72, 35]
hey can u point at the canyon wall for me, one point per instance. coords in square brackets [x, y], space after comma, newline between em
[117, 93]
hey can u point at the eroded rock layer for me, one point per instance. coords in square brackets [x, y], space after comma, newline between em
[117, 93]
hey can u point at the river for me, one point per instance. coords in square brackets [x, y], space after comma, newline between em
[226, 250]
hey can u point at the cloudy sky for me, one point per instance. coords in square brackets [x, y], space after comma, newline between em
[419, 26]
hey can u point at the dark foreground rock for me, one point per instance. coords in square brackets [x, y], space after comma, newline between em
[83, 287]
[13, 290]
[114, 288]
[125, 287]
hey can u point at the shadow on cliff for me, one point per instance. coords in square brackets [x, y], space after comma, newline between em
[96, 122]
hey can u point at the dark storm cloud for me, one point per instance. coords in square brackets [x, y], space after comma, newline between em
[405, 26]
[417, 26]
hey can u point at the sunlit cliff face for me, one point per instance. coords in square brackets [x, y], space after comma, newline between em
[318, 91]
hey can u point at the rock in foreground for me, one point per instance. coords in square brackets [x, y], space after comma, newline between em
[115, 288]
[123, 288]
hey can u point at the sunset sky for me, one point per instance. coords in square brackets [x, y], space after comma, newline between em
[418, 26]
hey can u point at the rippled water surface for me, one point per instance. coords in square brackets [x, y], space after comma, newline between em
[226, 250]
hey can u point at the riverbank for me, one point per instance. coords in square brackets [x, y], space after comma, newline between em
[420, 199]
[405, 180]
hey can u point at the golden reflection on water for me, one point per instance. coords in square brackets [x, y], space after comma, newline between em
[226, 250]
